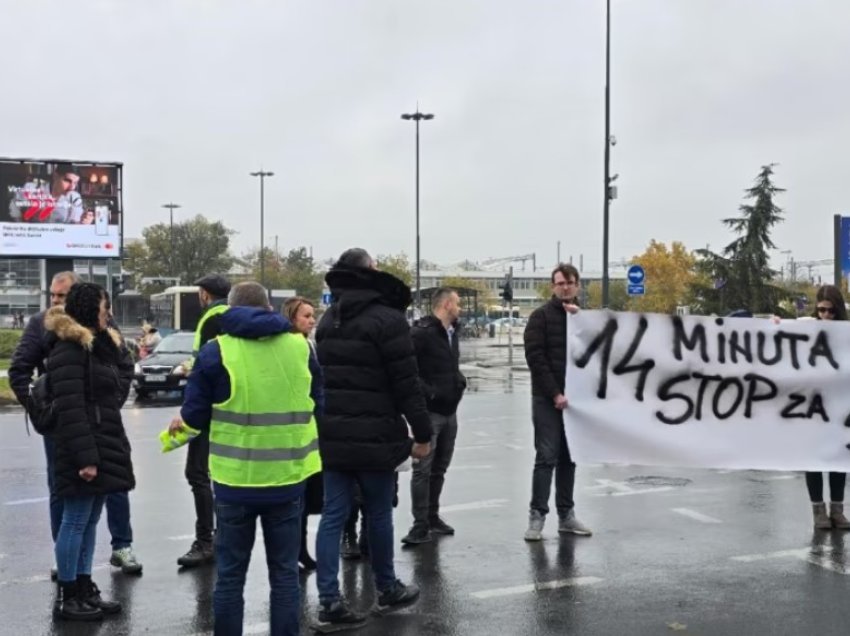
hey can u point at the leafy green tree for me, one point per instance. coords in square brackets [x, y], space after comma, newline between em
[398, 265]
[618, 296]
[200, 247]
[740, 276]
[297, 270]
[670, 275]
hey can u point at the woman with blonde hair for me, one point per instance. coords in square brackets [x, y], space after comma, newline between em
[302, 314]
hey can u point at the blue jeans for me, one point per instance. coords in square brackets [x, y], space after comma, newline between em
[77, 533]
[378, 488]
[117, 505]
[234, 541]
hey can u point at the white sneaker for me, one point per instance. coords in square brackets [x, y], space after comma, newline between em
[571, 525]
[535, 526]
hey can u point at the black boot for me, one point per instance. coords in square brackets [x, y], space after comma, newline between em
[69, 607]
[89, 593]
[304, 559]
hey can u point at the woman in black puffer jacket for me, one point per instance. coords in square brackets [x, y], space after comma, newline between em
[92, 450]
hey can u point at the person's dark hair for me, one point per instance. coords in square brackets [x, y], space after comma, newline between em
[65, 168]
[292, 305]
[440, 295]
[355, 257]
[83, 303]
[568, 271]
[248, 294]
[832, 294]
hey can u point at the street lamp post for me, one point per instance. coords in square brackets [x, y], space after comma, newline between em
[171, 207]
[262, 174]
[607, 203]
[417, 117]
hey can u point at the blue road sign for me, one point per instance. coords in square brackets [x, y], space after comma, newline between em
[326, 299]
[636, 290]
[636, 275]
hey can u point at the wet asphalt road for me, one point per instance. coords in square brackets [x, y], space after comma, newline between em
[674, 551]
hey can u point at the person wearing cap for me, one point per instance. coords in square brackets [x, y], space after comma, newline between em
[212, 294]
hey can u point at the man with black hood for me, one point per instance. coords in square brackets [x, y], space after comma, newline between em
[371, 388]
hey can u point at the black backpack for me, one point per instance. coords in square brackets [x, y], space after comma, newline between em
[41, 409]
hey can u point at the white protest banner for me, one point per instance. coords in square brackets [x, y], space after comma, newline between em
[740, 393]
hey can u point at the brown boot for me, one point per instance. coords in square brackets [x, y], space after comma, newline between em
[836, 515]
[822, 520]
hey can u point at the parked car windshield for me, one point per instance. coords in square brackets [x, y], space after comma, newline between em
[176, 343]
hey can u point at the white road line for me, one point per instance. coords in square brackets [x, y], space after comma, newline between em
[536, 587]
[619, 486]
[42, 578]
[475, 505]
[23, 502]
[696, 516]
[181, 537]
[645, 491]
[474, 447]
[779, 477]
[823, 561]
[800, 553]
[471, 467]
[481, 433]
[254, 628]
[513, 446]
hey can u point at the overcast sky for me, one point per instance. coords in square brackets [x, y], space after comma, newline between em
[193, 95]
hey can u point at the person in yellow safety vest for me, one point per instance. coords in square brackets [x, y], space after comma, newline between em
[212, 294]
[251, 389]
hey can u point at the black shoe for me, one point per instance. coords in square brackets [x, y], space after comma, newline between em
[396, 598]
[417, 535]
[198, 554]
[337, 617]
[438, 526]
[89, 594]
[68, 607]
[306, 562]
[349, 549]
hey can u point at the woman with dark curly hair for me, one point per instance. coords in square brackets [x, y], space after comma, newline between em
[85, 370]
[829, 305]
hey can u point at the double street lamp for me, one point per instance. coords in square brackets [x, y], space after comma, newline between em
[262, 174]
[171, 207]
[417, 117]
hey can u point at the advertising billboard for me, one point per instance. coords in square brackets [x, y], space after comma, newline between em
[62, 209]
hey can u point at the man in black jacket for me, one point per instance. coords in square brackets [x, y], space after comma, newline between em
[437, 353]
[546, 354]
[371, 388]
[29, 356]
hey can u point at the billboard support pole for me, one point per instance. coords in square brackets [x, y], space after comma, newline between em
[836, 224]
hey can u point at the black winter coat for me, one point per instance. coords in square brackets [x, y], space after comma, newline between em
[29, 355]
[371, 378]
[89, 377]
[546, 348]
[439, 366]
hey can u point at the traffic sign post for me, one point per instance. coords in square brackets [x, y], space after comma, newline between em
[637, 279]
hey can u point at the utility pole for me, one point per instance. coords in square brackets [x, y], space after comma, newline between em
[511, 319]
[171, 207]
[262, 174]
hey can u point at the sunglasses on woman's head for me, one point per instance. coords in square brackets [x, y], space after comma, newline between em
[826, 310]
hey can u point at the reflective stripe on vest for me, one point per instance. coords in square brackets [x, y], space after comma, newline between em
[265, 434]
[213, 310]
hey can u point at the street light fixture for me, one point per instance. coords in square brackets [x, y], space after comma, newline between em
[417, 117]
[262, 174]
[171, 207]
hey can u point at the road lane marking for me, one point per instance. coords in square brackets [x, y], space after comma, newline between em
[644, 491]
[536, 587]
[820, 559]
[471, 467]
[181, 537]
[474, 447]
[23, 502]
[800, 553]
[696, 516]
[42, 578]
[513, 446]
[475, 505]
[481, 433]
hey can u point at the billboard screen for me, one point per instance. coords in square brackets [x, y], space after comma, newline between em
[64, 209]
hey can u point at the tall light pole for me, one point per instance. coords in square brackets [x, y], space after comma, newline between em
[417, 117]
[606, 205]
[171, 207]
[262, 174]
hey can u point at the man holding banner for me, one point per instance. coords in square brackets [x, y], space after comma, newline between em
[546, 353]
